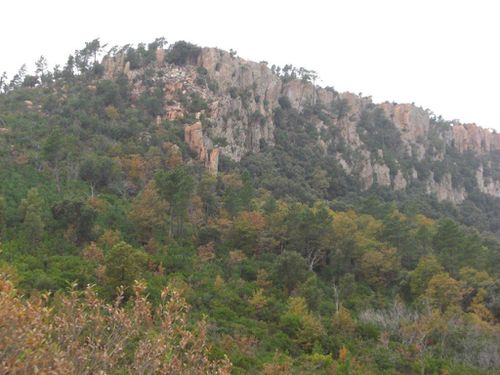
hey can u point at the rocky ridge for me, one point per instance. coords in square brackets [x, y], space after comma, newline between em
[238, 120]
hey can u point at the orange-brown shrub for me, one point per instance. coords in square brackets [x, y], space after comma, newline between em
[79, 333]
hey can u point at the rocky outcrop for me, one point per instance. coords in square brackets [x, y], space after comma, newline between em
[174, 112]
[366, 175]
[413, 123]
[348, 124]
[115, 66]
[444, 189]
[486, 184]
[248, 94]
[202, 146]
[230, 71]
[379, 174]
[242, 124]
[382, 174]
[399, 182]
[470, 137]
[241, 97]
[193, 136]
[212, 162]
[256, 80]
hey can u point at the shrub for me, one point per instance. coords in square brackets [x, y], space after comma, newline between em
[284, 102]
[183, 53]
[63, 338]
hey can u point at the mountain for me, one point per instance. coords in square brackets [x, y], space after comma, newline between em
[233, 217]
[385, 144]
[245, 111]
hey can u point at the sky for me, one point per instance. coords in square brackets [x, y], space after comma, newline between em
[440, 54]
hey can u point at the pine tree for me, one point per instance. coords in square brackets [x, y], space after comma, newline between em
[33, 225]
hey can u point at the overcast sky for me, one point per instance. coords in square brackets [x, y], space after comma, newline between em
[443, 55]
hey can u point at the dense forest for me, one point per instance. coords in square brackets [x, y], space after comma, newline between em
[121, 252]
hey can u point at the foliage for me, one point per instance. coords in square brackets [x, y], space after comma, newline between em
[80, 333]
[123, 265]
[182, 53]
[288, 265]
[176, 187]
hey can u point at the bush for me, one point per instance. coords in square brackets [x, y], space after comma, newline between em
[368, 330]
[284, 102]
[182, 53]
[61, 338]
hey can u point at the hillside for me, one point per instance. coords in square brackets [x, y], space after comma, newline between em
[243, 219]
[277, 122]
[377, 144]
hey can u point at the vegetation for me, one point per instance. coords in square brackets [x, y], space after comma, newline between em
[277, 265]
[182, 53]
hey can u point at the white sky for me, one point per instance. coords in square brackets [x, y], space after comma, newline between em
[440, 54]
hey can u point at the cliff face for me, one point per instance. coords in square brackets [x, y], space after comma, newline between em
[202, 146]
[242, 97]
[413, 123]
[470, 137]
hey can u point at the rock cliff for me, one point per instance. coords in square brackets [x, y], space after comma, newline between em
[470, 137]
[238, 119]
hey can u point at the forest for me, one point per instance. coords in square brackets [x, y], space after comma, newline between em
[120, 252]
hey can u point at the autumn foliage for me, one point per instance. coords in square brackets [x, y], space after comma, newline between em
[79, 333]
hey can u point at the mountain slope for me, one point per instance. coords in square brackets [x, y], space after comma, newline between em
[271, 119]
[310, 231]
[385, 144]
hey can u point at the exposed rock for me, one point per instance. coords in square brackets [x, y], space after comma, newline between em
[236, 72]
[115, 66]
[240, 111]
[412, 121]
[212, 162]
[197, 142]
[299, 93]
[470, 137]
[345, 166]
[4, 130]
[160, 57]
[174, 112]
[243, 118]
[444, 190]
[399, 181]
[348, 124]
[382, 173]
[486, 184]
[193, 136]
[366, 175]
[258, 90]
